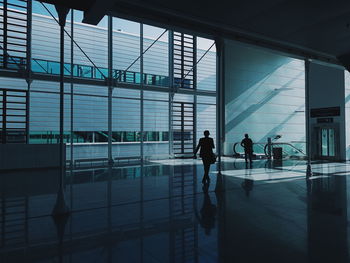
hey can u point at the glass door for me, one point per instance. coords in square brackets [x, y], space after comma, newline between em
[327, 136]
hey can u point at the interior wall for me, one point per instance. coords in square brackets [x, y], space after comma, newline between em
[264, 96]
[347, 112]
[327, 89]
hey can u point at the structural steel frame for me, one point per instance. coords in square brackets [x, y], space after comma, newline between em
[110, 83]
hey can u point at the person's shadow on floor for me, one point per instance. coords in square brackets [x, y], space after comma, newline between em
[207, 212]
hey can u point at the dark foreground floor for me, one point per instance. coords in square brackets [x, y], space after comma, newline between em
[160, 212]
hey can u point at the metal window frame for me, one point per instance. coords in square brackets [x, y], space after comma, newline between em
[30, 76]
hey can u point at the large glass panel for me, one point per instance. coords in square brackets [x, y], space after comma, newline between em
[46, 39]
[44, 119]
[126, 103]
[206, 116]
[156, 56]
[156, 125]
[264, 97]
[126, 51]
[126, 123]
[206, 67]
[93, 41]
[90, 122]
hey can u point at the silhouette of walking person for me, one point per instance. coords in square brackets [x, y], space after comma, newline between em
[207, 145]
[247, 144]
[207, 212]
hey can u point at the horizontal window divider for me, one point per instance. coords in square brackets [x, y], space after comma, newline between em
[15, 128]
[15, 115]
[182, 51]
[17, 18]
[178, 53]
[21, 122]
[16, 37]
[16, 5]
[17, 51]
[16, 31]
[184, 65]
[15, 103]
[16, 44]
[185, 60]
[20, 12]
[21, 109]
[186, 44]
[180, 36]
[15, 96]
[101, 83]
[15, 25]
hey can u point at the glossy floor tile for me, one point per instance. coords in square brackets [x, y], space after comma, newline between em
[161, 212]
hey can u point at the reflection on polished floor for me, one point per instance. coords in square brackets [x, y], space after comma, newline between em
[160, 212]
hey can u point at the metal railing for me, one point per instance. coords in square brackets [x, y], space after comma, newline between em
[90, 72]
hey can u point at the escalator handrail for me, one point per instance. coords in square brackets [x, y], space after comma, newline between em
[283, 143]
[239, 143]
[289, 144]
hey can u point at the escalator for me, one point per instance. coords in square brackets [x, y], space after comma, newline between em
[289, 150]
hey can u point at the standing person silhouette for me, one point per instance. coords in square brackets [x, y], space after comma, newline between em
[207, 145]
[247, 144]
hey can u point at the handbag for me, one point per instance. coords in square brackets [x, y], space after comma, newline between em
[213, 158]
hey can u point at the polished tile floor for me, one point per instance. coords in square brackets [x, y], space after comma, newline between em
[161, 212]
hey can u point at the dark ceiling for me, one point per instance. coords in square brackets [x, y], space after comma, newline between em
[319, 29]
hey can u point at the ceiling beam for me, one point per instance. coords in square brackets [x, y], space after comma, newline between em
[195, 25]
[97, 11]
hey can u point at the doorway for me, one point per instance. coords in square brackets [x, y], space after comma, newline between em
[327, 142]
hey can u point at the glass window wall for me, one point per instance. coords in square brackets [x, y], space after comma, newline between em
[141, 104]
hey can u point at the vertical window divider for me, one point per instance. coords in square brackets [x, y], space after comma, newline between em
[141, 94]
[110, 87]
[28, 67]
[71, 90]
[195, 92]
[171, 90]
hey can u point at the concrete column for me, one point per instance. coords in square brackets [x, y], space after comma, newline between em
[220, 110]
[326, 94]
[220, 104]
